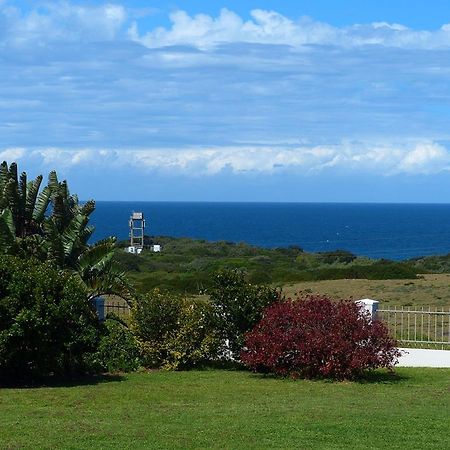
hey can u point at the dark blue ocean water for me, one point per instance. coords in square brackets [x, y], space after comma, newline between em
[375, 230]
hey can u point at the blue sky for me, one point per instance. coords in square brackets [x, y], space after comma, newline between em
[230, 101]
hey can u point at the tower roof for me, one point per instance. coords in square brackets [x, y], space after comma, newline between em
[137, 216]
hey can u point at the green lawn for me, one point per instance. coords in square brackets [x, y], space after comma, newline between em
[226, 409]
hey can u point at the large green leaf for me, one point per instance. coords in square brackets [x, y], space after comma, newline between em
[88, 208]
[13, 172]
[86, 234]
[22, 194]
[71, 237]
[7, 231]
[41, 205]
[32, 195]
[54, 245]
[4, 177]
[53, 182]
[98, 256]
[12, 195]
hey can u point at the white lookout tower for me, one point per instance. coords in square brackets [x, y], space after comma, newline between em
[137, 227]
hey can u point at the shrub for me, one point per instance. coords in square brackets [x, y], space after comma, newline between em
[46, 324]
[238, 306]
[379, 270]
[174, 332]
[336, 256]
[118, 350]
[129, 262]
[316, 337]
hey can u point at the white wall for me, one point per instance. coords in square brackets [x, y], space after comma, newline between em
[415, 357]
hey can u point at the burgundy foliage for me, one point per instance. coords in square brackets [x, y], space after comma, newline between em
[317, 337]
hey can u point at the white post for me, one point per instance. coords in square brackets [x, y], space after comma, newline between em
[370, 306]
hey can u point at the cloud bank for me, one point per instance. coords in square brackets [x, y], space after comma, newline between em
[424, 158]
[270, 27]
[69, 21]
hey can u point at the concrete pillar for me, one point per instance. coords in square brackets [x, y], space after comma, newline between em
[370, 306]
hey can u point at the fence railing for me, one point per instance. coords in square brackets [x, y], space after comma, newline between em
[428, 327]
[119, 308]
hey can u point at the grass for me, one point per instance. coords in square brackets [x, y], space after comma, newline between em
[231, 409]
[429, 290]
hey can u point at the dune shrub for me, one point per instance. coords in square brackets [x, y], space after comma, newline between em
[118, 350]
[336, 257]
[316, 337]
[47, 327]
[174, 332]
[238, 306]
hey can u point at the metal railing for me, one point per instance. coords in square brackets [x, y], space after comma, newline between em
[119, 308]
[428, 327]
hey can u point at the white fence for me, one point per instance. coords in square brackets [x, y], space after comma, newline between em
[425, 327]
[423, 331]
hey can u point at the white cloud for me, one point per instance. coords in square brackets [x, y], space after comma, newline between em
[266, 27]
[425, 158]
[422, 158]
[65, 158]
[62, 21]
[11, 154]
[270, 27]
[390, 26]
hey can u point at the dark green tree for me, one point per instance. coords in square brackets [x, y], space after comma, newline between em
[238, 306]
[51, 225]
[46, 325]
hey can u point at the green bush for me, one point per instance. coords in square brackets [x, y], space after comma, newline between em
[129, 262]
[336, 256]
[238, 306]
[118, 350]
[174, 332]
[46, 324]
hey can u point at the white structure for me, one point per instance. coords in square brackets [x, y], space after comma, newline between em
[156, 248]
[137, 227]
[134, 250]
[370, 306]
[414, 357]
[418, 357]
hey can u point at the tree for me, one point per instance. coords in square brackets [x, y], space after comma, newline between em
[51, 225]
[46, 325]
[174, 332]
[238, 306]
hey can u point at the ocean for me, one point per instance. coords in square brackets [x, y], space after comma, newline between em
[393, 231]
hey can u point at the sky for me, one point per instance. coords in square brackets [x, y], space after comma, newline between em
[296, 101]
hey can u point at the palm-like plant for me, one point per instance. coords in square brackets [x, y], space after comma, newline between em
[22, 206]
[51, 224]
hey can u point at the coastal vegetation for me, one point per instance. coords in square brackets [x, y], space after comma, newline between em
[238, 307]
[188, 265]
[46, 325]
[174, 332]
[50, 275]
[194, 308]
[195, 303]
[51, 225]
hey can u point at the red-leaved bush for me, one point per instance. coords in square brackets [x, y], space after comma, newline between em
[316, 337]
